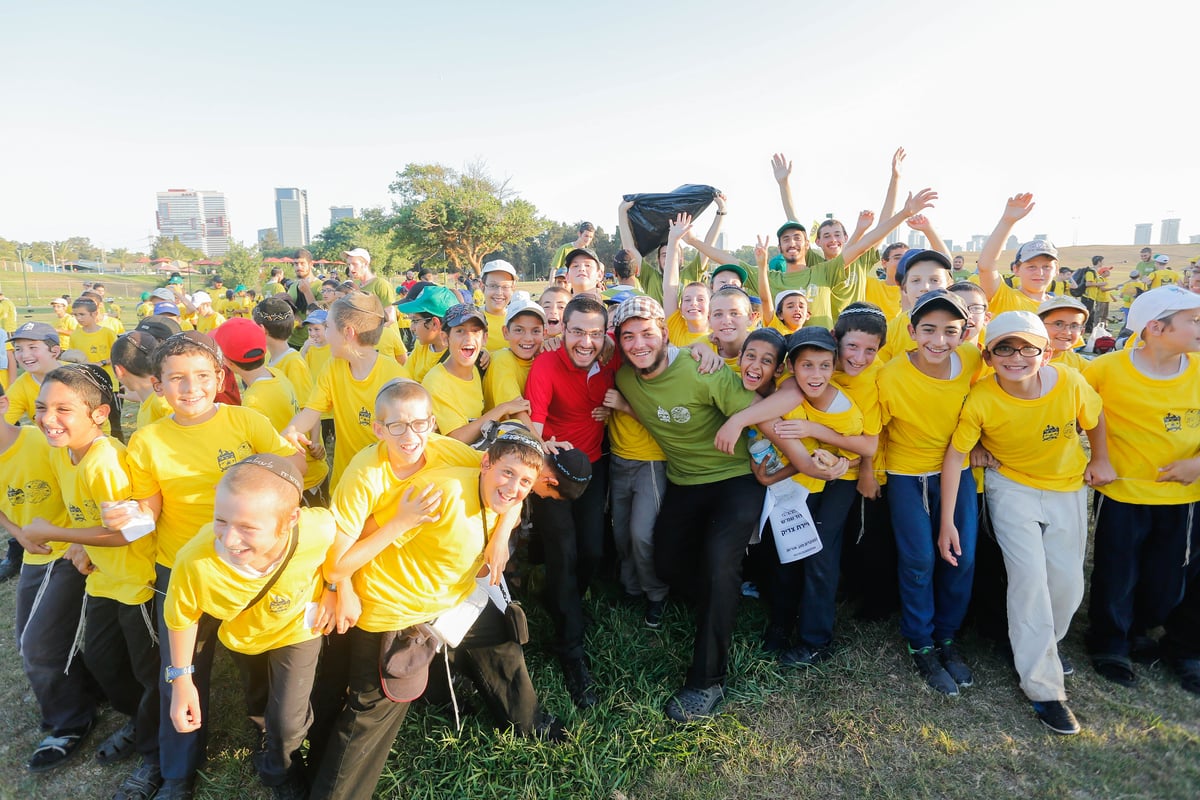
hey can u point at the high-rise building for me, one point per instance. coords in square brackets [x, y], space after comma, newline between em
[1142, 232]
[340, 212]
[1040, 237]
[1012, 244]
[977, 242]
[893, 237]
[722, 241]
[197, 219]
[291, 217]
[950, 245]
[1194, 239]
[1169, 234]
[916, 240]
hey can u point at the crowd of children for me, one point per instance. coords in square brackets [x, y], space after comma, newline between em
[867, 423]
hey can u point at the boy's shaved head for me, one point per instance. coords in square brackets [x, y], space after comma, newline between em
[400, 390]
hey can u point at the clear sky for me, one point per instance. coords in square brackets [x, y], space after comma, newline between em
[1090, 106]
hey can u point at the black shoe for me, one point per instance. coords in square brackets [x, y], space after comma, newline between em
[176, 789]
[580, 685]
[1068, 667]
[931, 669]
[1144, 650]
[1188, 670]
[1117, 669]
[9, 568]
[141, 784]
[549, 728]
[775, 640]
[291, 789]
[57, 748]
[802, 656]
[654, 613]
[1057, 717]
[687, 704]
[118, 746]
[954, 664]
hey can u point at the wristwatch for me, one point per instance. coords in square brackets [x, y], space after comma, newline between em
[171, 673]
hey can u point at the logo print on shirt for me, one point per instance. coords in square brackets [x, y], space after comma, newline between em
[37, 491]
[364, 417]
[279, 604]
[1191, 418]
[681, 415]
[1049, 433]
[1172, 422]
[1068, 429]
[75, 512]
[225, 459]
[663, 414]
[16, 496]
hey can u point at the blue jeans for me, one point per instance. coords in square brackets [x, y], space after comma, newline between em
[933, 594]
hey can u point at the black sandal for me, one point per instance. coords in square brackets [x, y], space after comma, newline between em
[1118, 669]
[118, 746]
[57, 748]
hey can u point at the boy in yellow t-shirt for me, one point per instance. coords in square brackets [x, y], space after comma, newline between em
[91, 338]
[499, 285]
[920, 396]
[277, 319]
[64, 321]
[316, 355]
[119, 645]
[348, 386]
[49, 597]
[918, 272]
[524, 330]
[1145, 522]
[256, 569]
[131, 357]
[1035, 263]
[1026, 415]
[208, 318]
[1065, 319]
[35, 349]
[426, 304]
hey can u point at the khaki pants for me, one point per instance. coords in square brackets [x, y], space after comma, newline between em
[1043, 536]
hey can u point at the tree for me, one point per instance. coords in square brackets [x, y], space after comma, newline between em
[468, 216]
[269, 242]
[241, 265]
[371, 231]
[174, 249]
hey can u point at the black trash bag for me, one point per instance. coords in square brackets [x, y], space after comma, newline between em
[651, 214]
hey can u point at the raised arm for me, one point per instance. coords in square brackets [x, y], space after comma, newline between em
[679, 227]
[915, 204]
[714, 230]
[626, 231]
[709, 251]
[1017, 207]
[889, 199]
[764, 279]
[783, 172]
[921, 223]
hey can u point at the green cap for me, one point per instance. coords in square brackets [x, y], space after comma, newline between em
[433, 300]
[790, 225]
[735, 268]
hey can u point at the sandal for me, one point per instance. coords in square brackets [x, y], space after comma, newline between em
[117, 747]
[1118, 669]
[55, 749]
[142, 784]
[689, 704]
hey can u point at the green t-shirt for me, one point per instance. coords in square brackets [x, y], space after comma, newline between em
[381, 288]
[683, 410]
[830, 287]
[651, 277]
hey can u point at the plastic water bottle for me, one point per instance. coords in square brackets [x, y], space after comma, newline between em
[763, 452]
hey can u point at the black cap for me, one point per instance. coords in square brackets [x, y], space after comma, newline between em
[813, 336]
[587, 251]
[938, 299]
[913, 256]
[159, 327]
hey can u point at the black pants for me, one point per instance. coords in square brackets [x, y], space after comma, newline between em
[989, 592]
[121, 653]
[278, 685]
[1182, 638]
[572, 535]
[869, 557]
[699, 539]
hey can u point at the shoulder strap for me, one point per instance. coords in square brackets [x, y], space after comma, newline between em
[295, 537]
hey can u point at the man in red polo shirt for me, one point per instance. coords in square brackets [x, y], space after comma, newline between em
[566, 390]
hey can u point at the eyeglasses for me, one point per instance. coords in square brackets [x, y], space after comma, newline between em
[1006, 350]
[977, 308]
[399, 428]
[579, 333]
[1069, 327]
[506, 287]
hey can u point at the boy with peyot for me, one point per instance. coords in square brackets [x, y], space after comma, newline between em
[1026, 415]
[921, 393]
[426, 303]
[1146, 521]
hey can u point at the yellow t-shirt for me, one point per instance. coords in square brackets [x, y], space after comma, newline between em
[1035, 441]
[843, 417]
[427, 570]
[317, 358]
[22, 398]
[210, 323]
[112, 323]
[899, 340]
[64, 326]
[920, 412]
[353, 405]
[455, 402]
[30, 488]
[421, 360]
[883, 295]
[1069, 358]
[863, 389]
[1007, 298]
[184, 463]
[505, 378]
[204, 583]
[144, 310]
[96, 346]
[1164, 277]
[293, 367]
[495, 330]
[275, 399]
[124, 574]
[776, 324]
[152, 410]
[1151, 423]
[390, 344]
[678, 333]
[630, 440]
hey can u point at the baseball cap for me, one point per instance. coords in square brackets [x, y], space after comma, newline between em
[241, 340]
[458, 314]
[499, 265]
[1024, 325]
[413, 292]
[1060, 302]
[1133, 273]
[522, 304]
[316, 317]
[1158, 303]
[737, 269]
[404, 659]
[166, 308]
[177, 279]
[158, 327]
[939, 299]
[358, 252]
[814, 336]
[639, 307]
[164, 294]
[200, 298]
[279, 466]
[35, 332]
[145, 296]
[561, 272]
[790, 225]
[58, 301]
[429, 299]
[784, 295]
[585, 251]
[1031, 250]
[913, 256]
[1161, 259]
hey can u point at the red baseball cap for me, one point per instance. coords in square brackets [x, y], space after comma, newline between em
[241, 340]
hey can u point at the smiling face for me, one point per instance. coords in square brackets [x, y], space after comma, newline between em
[64, 417]
[831, 238]
[793, 246]
[498, 288]
[316, 334]
[857, 351]
[1064, 327]
[922, 277]
[693, 305]
[584, 338]
[252, 528]
[506, 482]
[583, 273]
[553, 303]
[466, 342]
[1036, 274]
[189, 383]
[729, 319]
[405, 450]
[937, 334]
[812, 369]
[525, 334]
[1014, 366]
[759, 362]
[977, 313]
[35, 357]
[644, 344]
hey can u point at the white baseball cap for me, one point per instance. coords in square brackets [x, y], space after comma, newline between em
[520, 304]
[200, 298]
[358, 252]
[499, 265]
[1158, 303]
[1161, 259]
[1025, 325]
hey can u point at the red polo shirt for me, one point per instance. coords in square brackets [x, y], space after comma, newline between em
[561, 397]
